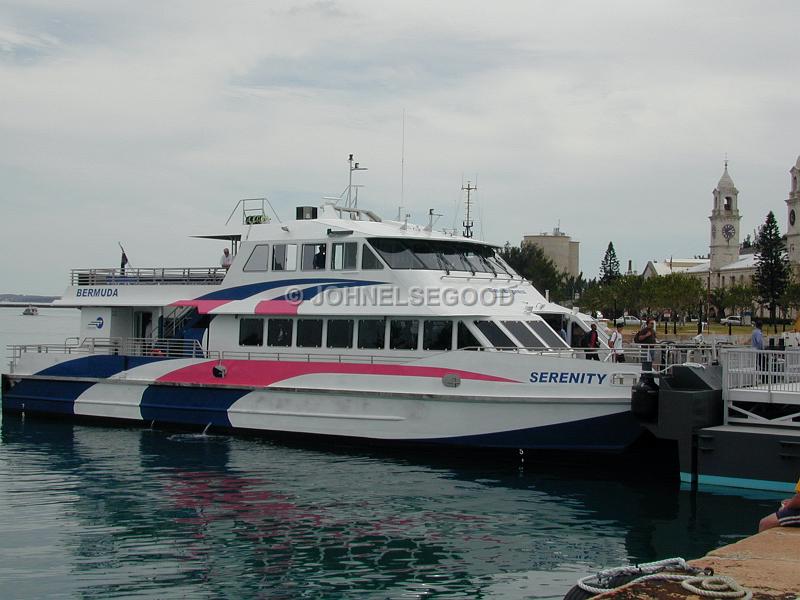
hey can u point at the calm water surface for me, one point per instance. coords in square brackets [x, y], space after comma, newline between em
[100, 512]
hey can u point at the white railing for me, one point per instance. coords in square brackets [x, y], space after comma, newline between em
[149, 276]
[761, 386]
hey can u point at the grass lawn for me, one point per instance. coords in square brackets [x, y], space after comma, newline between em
[741, 333]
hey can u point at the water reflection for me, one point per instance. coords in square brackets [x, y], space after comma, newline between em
[106, 512]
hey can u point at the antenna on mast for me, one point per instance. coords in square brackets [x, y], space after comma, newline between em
[402, 169]
[467, 223]
[352, 202]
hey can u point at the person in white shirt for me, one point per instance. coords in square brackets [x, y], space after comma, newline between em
[226, 259]
[615, 342]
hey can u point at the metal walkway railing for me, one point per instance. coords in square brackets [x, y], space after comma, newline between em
[165, 276]
[761, 387]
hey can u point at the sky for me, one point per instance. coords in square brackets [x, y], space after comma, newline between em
[145, 122]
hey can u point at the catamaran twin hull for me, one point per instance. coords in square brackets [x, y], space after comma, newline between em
[493, 399]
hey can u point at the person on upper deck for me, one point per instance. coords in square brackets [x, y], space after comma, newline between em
[226, 260]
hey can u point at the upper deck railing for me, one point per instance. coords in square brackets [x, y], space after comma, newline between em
[150, 276]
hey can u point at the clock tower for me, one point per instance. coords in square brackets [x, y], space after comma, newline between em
[793, 208]
[724, 248]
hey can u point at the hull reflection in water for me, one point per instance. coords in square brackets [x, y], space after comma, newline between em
[102, 512]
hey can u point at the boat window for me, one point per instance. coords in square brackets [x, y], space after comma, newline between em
[494, 334]
[344, 255]
[371, 333]
[340, 333]
[396, 254]
[284, 257]
[368, 259]
[251, 332]
[465, 338]
[523, 334]
[550, 337]
[309, 333]
[279, 332]
[259, 259]
[437, 335]
[313, 257]
[440, 255]
[403, 334]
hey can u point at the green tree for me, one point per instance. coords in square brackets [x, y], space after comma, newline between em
[609, 267]
[772, 266]
[530, 262]
[740, 298]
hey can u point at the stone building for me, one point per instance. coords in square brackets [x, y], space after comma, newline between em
[560, 248]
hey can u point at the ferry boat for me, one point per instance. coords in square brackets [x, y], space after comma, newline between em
[338, 323]
[30, 311]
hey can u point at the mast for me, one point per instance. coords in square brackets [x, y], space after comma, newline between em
[467, 223]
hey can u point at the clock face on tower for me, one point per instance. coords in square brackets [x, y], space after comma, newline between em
[791, 217]
[728, 231]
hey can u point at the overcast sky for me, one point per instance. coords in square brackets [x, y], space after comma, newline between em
[144, 122]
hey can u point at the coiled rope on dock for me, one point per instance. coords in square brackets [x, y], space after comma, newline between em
[718, 586]
[669, 569]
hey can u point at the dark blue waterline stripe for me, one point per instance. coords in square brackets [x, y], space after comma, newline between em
[197, 406]
[57, 397]
[97, 366]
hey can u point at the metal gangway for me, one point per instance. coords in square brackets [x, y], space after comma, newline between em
[761, 387]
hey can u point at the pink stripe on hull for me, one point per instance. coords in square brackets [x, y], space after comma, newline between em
[203, 306]
[276, 307]
[263, 373]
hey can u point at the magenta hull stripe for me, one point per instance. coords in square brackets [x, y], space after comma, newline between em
[262, 373]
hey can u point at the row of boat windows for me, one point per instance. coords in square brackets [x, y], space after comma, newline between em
[343, 256]
[402, 334]
[440, 255]
[398, 254]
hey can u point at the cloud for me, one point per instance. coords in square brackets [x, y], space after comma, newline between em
[147, 121]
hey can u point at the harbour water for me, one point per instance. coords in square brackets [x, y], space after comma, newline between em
[108, 512]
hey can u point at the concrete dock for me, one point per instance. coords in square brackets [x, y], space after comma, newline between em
[768, 564]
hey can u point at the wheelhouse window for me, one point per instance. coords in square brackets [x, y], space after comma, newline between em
[340, 333]
[313, 257]
[441, 255]
[550, 337]
[309, 333]
[368, 259]
[437, 335]
[494, 334]
[403, 334]
[343, 256]
[251, 332]
[279, 332]
[284, 257]
[371, 333]
[465, 338]
[259, 259]
[525, 336]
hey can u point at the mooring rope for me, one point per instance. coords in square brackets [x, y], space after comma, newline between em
[711, 586]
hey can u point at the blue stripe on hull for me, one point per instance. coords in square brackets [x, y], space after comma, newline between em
[57, 397]
[192, 405]
[612, 432]
[100, 367]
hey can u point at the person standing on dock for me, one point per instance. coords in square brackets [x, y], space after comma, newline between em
[592, 343]
[757, 342]
[788, 515]
[615, 342]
